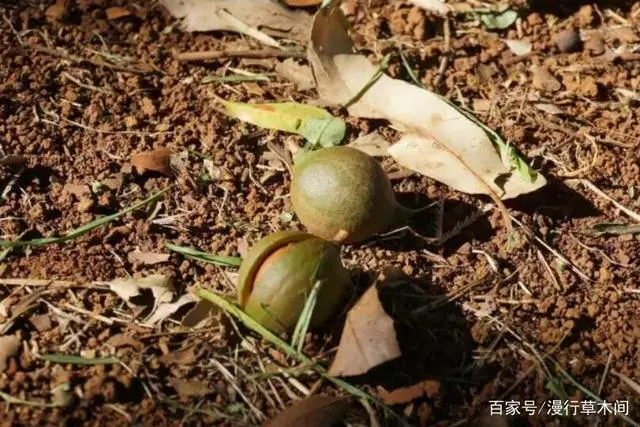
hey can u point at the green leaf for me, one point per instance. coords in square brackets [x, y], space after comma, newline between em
[78, 360]
[613, 229]
[224, 260]
[318, 126]
[499, 21]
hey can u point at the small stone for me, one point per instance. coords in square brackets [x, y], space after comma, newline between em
[568, 40]
[543, 80]
[593, 310]
[85, 205]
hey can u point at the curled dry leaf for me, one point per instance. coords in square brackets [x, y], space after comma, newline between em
[518, 47]
[440, 140]
[122, 340]
[313, 411]
[199, 313]
[128, 289]
[157, 161]
[373, 144]
[147, 258]
[59, 10]
[167, 309]
[368, 338]
[182, 357]
[213, 15]
[117, 12]
[299, 74]
[9, 346]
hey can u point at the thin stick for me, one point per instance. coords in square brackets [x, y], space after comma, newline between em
[444, 61]
[72, 79]
[208, 55]
[78, 59]
[602, 194]
[51, 283]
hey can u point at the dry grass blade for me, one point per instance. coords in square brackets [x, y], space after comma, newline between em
[223, 260]
[269, 336]
[78, 232]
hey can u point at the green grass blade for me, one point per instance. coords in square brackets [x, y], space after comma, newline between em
[69, 359]
[83, 229]
[224, 260]
[300, 331]
[269, 336]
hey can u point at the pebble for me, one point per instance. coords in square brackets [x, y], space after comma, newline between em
[568, 40]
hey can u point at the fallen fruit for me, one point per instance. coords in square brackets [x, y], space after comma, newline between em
[278, 274]
[344, 195]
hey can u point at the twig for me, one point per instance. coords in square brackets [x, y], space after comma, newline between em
[444, 61]
[602, 194]
[51, 283]
[207, 55]
[74, 58]
[72, 79]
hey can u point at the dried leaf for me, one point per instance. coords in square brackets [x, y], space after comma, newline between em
[41, 322]
[297, 73]
[122, 340]
[437, 6]
[183, 357]
[519, 47]
[189, 388]
[373, 144]
[315, 124]
[441, 140]
[157, 161]
[167, 309]
[9, 346]
[160, 286]
[147, 258]
[428, 388]
[548, 108]
[213, 15]
[200, 312]
[368, 338]
[313, 411]
[117, 12]
[78, 190]
[615, 229]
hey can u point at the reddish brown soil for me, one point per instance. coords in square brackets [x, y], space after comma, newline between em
[589, 327]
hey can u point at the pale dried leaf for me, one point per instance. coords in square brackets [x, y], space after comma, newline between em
[313, 411]
[147, 258]
[182, 357]
[189, 388]
[299, 74]
[368, 338]
[158, 160]
[160, 286]
[167, 309]
[518, 47]
[441, 141]
[548, 108]
[373, 144]
[200, 312]
[9, 346]
[437, 6]
[213, 15]
[41, 322]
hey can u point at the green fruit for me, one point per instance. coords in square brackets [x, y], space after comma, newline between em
[343, 194]
[278, 274]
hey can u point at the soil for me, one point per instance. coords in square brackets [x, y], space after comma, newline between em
[77, 124]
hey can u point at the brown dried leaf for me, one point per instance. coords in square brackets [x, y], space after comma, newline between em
[183, 357]
[313, 411]
[41, 322]
[147, 258]
[201, 311]
[223, 15]
[13, 160]
[9, 346]
[122, 340]
[158, 160]
[429, 388]
[189, 388]
[159, 285]
[167, 309]
[373, 144]
[368, 338]
[78, 190]
[117, 12]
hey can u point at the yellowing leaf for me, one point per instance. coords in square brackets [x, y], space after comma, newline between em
[318, 126]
